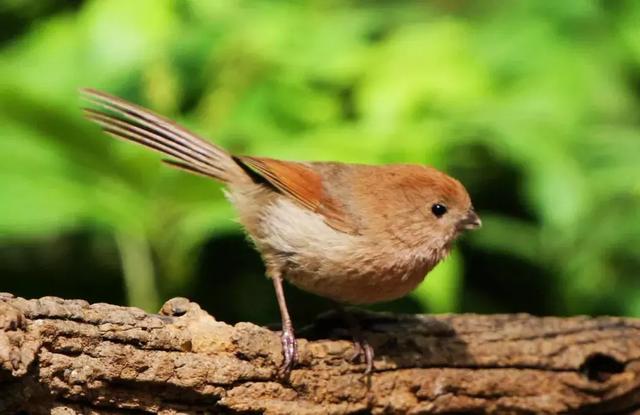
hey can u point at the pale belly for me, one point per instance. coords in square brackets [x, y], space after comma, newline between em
[358, 280]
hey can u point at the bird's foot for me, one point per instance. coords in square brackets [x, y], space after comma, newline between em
[364, 353]
[289, 352]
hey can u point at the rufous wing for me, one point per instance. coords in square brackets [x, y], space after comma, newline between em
[302, 184]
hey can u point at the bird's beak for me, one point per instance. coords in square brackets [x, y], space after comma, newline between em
[470, 221]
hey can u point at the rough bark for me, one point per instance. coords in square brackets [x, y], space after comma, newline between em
[70, 357]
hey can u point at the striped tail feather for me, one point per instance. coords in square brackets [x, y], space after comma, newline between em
[123, 120]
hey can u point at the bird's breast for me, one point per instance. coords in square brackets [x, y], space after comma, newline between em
[354, 269]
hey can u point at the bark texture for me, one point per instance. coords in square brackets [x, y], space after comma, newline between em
[70, 357]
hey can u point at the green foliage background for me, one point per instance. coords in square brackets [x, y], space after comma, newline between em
[534, 105]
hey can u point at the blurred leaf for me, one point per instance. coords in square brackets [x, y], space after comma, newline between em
[549, 90]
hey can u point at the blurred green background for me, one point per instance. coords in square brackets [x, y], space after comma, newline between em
[534, 105]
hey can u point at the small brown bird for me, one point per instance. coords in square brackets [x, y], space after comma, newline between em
[353, 233]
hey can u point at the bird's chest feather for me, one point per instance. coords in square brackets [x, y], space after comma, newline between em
[346, 268]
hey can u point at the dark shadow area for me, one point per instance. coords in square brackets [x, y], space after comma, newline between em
[71, 266]
[424, 341]
[498, 283]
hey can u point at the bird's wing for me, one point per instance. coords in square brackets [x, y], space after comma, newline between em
[302, 184]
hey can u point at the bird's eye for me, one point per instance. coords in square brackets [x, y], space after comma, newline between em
[438, 210]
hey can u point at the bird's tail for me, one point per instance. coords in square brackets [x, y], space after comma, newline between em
[124, 120]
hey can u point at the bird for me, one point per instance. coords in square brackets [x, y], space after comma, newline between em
[355, 234]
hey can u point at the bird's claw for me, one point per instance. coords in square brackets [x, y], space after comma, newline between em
[289, 352]
[365, 352]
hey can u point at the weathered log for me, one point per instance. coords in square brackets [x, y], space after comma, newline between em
[70, 357]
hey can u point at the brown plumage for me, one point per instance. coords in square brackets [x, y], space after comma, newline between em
[349, 232]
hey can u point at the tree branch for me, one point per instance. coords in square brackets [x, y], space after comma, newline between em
[70, 357]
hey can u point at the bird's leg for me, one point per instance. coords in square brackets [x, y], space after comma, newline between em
[287, 336]
[363, 348]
